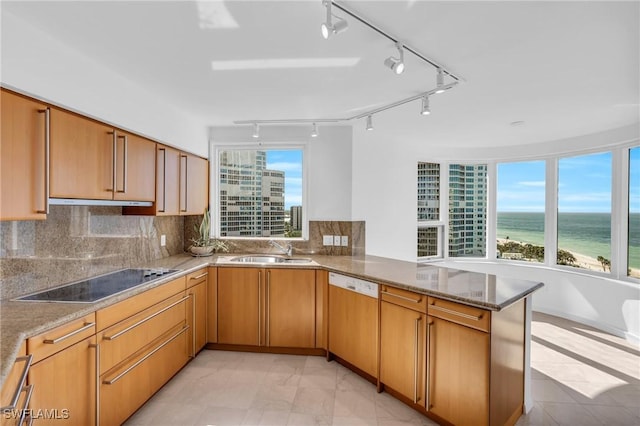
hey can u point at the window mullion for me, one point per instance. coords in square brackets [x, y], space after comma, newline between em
[551, 212]
[492, 216]
[619, 213]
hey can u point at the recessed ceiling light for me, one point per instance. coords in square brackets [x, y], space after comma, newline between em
[291, 63]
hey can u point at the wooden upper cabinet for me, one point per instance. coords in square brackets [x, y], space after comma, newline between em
[81, 157]
[22, 158]
[194, 184]
[90, 160]
[167, 181]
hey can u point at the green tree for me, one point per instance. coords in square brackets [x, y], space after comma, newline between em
[565, 258]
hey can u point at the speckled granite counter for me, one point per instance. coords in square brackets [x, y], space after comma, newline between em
[20, 320]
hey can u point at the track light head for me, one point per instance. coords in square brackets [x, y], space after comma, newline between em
[256, 130]
[314, 131]
[440, 81]
[328, 27]
[396, 64]
[369, 123]
[425, 106]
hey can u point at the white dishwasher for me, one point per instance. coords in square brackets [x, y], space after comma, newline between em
[353, 321]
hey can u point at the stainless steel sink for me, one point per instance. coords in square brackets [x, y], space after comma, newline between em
[270, 259]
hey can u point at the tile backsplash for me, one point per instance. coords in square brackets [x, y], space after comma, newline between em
[76, 242]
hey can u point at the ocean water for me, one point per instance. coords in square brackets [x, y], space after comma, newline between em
[584, 233]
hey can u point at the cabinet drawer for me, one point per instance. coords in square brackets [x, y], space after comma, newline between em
[408, 299]
[120, 341]
[197, 277]
[460, 314]
[52, 341]
[115, 313]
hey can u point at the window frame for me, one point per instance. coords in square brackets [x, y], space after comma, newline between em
[214, 178]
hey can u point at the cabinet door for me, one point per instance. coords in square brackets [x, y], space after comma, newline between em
[198, 313]
[22, 158]
[65, 386]
[291, 315]
[240, 307]
[167, 181]
[353, 328]
[194, 184]
[458, 378]
[402, 350]
[82, 152]
[135, 168]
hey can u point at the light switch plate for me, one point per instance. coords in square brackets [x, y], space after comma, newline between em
[336, 240]
[345, 241]
[327, 240]
[163, 240]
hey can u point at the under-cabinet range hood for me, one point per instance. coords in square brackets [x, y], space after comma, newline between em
[79, 202]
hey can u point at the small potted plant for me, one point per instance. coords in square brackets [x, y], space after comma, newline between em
[203, 244]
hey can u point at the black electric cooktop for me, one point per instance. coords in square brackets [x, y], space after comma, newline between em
[97, 288]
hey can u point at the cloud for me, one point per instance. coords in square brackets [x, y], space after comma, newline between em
[285, 166]
[587, 196]
[536, 183]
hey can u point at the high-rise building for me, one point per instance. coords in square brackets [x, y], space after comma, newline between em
[251, 197]
[296, 218]
[467, 210]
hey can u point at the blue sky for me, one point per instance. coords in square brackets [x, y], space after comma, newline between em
[584, 184]
[290, 162]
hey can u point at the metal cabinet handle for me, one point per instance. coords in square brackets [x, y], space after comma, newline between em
[164, 181]
[452, 312]
[114, 169]
[143, 359]
[142, 321]
[199, 276]
[47, 158]
[20, 388]
[186, 182]
[268, 309]
[402, 297]
[66, 336]
[430, 364]
[415, 360]
[97, 381]
[259, 309]
[124, 163]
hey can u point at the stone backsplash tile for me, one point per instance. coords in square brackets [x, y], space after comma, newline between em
[76, 242]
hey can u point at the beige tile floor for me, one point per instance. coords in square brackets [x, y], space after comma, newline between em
[580, 376]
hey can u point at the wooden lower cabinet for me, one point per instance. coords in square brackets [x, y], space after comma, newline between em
[65, 386]
[458, 373]
[402, 350]
[197, 313]
[125, 389]
[291, 308]
[212, 305]
[240, 306]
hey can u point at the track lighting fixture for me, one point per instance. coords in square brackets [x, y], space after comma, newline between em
[425, 106]
[256, 130]
[440, 81]
[314, 131]
[369, 123]
[328, 27]
[396, 64]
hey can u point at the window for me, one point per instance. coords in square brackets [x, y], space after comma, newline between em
[430, 227]
[467, 210]
[633, 240]
[520, 211]
[584, 211]
[260, 193]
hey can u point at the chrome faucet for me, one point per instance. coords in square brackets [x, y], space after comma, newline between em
[288, 250]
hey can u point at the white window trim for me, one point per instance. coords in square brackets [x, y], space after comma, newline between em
[214, 193]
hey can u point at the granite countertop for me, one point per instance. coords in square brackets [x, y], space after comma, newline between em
[20, 320]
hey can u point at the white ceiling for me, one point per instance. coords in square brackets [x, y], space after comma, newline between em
[564, 68]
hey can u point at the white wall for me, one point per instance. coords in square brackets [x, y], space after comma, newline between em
[384, 195]
[36, 64]
[329, 162]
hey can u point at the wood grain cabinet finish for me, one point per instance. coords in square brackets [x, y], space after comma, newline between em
[267, 307]
[197, 291]
[212, 305]
[403, 343]
[194, 184]
[23, 166]
[12, 384]
[91, 160]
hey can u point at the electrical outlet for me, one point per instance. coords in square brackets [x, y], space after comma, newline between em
[336, 240]
[327, 240]
[163, 240]
[345, 241]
